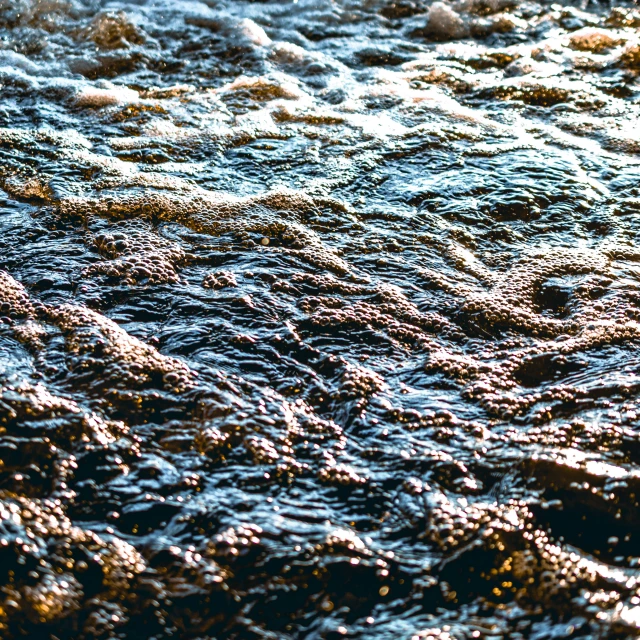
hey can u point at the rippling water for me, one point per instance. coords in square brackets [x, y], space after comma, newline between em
[319, 319]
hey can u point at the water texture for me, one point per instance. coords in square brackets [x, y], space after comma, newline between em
[319, 319]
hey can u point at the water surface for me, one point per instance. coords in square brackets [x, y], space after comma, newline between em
[319, 319]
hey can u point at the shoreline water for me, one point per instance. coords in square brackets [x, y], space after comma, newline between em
[319, 319]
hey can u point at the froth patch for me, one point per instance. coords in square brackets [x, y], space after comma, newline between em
[17, 308]
[14, 299]
[135, 252]
[58, 584]
[443, 21]
[108, 355]
[265, 88]
[113, 30]
[254, 32]
[278, 215]
[453, 21]
[93, 96]
[593, 40]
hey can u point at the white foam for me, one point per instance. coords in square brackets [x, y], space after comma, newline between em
[254, 32]
[17, 60]
[442, 20]
[92, 96]
[593, 39]
[276, 86]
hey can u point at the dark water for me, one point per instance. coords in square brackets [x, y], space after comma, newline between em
[319, 320]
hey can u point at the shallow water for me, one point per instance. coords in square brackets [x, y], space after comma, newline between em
[319, 319]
